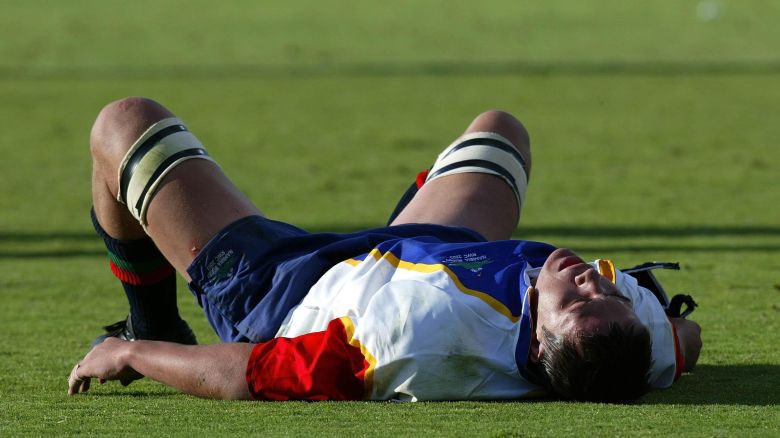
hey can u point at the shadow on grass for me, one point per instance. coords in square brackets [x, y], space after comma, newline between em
[51, 254]
[749, 385]
[527, 231]
[119, 392]
[745, 385]
[668, 239]
[392, 69]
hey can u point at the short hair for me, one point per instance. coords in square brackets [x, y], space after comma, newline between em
[611, 367]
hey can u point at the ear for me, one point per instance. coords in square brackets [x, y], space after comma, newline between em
[536, 351]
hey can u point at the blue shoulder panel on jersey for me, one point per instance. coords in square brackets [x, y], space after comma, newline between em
[494, 268]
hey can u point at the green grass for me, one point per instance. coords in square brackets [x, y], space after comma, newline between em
[654, 138]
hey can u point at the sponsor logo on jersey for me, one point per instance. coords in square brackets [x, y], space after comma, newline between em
[472, 261]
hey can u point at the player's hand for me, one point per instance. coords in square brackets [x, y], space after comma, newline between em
[689, 334]
[105, 362]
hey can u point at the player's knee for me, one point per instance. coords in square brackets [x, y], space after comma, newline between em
[135, 143]
[505, 124]
[119, 124]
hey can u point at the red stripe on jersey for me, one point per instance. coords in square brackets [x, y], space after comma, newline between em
[314, 366]
[679, 360]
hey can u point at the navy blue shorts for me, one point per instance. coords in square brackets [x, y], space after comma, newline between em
[250, 275]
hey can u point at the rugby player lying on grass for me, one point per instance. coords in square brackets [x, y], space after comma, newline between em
[438, 305]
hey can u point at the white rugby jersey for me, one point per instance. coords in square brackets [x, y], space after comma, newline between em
[414, 320]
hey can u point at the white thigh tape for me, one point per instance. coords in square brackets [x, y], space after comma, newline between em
[162, 147]
[484, 152]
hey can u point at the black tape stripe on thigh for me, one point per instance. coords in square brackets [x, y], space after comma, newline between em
[483, 141]
[162, 167]
[478, 163]
[139, 154]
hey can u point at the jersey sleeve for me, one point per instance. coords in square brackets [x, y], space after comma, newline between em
[667, 359]
[315, 366]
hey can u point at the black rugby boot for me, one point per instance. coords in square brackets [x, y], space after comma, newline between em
[180, 332]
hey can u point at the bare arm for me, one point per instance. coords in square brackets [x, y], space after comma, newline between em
[209, 371]
[689, 334]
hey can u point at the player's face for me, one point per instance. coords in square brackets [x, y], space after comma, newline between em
[572, 296]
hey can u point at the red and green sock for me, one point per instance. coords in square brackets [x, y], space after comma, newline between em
[148, 279]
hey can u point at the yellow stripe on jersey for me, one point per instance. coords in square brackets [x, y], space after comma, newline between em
[368, 377]
[498, 306]
[352, 262]
[607, 269]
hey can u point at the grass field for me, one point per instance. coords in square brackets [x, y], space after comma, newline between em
[653, 136]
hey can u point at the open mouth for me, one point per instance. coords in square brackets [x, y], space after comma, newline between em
[570, 260]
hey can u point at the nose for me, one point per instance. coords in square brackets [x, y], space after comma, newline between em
[588, 283]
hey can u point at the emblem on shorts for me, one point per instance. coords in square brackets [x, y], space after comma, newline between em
[221, 266]
[470, 261]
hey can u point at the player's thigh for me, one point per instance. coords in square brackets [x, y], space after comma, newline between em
[484, 203]
[193, 203]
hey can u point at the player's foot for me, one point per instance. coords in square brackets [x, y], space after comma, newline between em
[180, 333]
